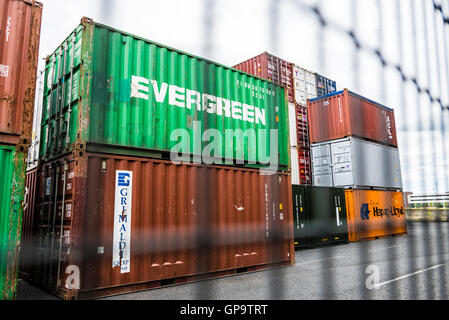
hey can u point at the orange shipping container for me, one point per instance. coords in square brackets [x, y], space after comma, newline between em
[20, 25]
[375, 214]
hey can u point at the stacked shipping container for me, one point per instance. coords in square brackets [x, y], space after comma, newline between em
[354, 146]
[109, 123]
[306, 85]
[20, 23]
[301, 85]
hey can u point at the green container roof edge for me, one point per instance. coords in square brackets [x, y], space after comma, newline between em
[90, 21]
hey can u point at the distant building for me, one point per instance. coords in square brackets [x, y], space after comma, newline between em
[406, 201]
[428, 200]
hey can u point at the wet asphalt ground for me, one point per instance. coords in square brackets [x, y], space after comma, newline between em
[409, 267]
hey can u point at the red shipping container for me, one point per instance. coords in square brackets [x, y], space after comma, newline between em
[344, 114]
[302, 146]
[180, 223]
[272, 68]
[20, 26]
[302, 127]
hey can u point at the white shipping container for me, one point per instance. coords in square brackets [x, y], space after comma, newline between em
[292, 123]
[33, 151]
[311, 78]
[305, 85]
[311, 89]
[356, 163]
[295, 166]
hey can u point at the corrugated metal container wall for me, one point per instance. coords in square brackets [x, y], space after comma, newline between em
[239, 209]
[135, 95]
[375, 214]
[356, 163]
[33, 152]
[325, 85]
[302, 128]
[305, 171]
[319, 215]
[272, 68]
[304, 83]
[296, 177]
[345, 114]
[12, 186]
[28, 245]
[20, 24]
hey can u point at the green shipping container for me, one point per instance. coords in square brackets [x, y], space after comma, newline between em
[111, 92]
[319, 216]
[12, 188]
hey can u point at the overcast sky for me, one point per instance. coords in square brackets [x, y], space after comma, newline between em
[241, 29]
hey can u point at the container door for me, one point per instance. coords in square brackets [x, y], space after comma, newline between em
[61, 96]
[342, 165]
[339, 230]
[55, 208]
[299, 216]
[295, 167]
[321, 166]
[300, 86]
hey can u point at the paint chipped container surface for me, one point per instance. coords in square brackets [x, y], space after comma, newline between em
[344, 113]
[319, 216]
[26, 263]
[112, 92]
[272, 68]
[356, 163]
[12, 186]
[20, 24]
[124, 224]
[375, 214]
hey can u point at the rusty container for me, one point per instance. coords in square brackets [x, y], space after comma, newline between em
[375, 214]
[12, 186]
[20, 24]
[122, 224]
[27, 247]
[344, 114]
[300, 145]
[272, 68]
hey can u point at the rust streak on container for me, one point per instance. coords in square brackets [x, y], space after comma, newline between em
[20, 24]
